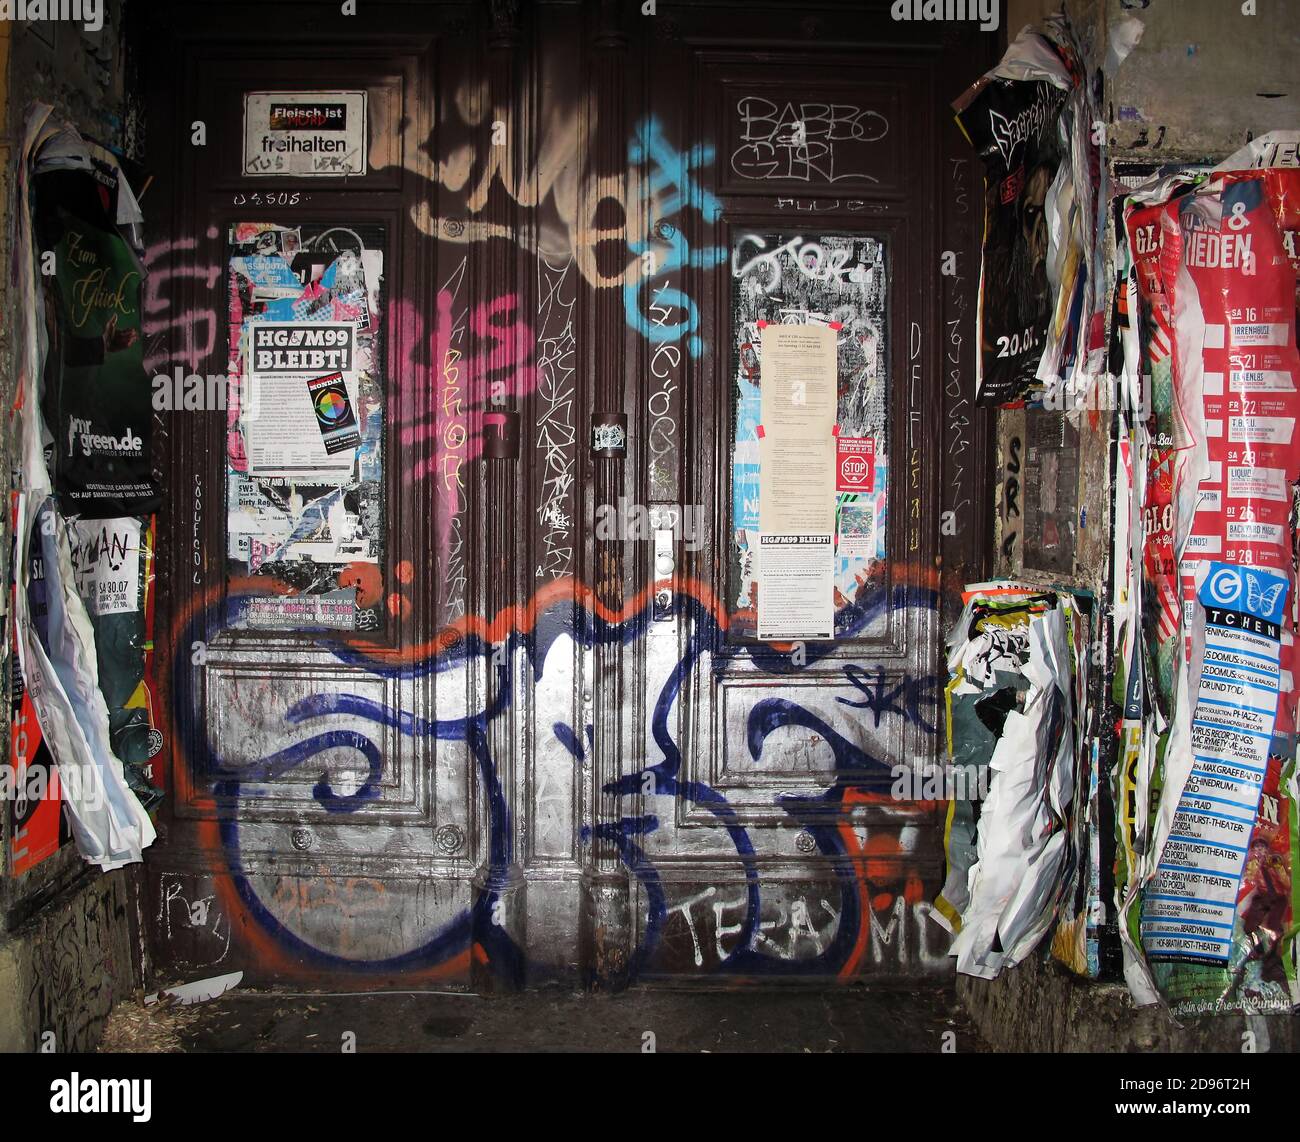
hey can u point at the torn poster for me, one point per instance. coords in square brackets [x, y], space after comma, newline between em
[97, 397]
[1024, 846]
[306, 134]
[1011, 116]
[305, 495]
[38, 826]
[1190, 904]
[56, 641]
[113, 566]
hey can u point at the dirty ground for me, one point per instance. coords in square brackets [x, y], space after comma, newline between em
[843, 1020]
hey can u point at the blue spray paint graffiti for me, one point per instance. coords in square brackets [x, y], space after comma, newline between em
[669, 189]
[819, 814]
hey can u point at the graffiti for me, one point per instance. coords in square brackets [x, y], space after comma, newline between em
[1010, 499]
[802, 937]
[836, 266]
[884, 694]
[824, 205]
[792, 931]
[196, 328]
[957, 428]
[83, 963]
[662, 407]
[466, 360]
[670, 189]
[201, 914]
[556, 432]
[802, 142]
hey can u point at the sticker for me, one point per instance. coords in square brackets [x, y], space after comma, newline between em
[334, 416]
[855, 463]
[310, 134]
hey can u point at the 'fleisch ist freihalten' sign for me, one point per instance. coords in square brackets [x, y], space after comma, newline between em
[304, 134]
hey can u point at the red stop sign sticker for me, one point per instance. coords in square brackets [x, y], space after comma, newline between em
[855, 463]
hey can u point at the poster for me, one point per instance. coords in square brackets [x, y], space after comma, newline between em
[1189, 908]
[307, 134]
[304, 482]
[796, 447]
[97, 398]
[796, 573]
[796, 563]
[295, 368]
[106, 564]
[1013, 125]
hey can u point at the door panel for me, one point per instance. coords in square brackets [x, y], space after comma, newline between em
[551, 743]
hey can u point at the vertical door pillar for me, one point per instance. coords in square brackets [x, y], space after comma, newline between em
[499, 888]
[607, 931]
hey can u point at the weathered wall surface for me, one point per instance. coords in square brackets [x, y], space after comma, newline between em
[1204, 79]
[1039, 1006]
[61, 973]
[67, 944]
[1205, 76]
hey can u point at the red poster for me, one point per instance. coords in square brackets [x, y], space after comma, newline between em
[855, 463]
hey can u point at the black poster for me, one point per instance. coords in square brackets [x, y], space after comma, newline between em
[97, 400]
[1013, 126]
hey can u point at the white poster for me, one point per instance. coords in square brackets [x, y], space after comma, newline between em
[106, 564]
[797, 445]
[298, 407]
[795, 586]
[306, 134]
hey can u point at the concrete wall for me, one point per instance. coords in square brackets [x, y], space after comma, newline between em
[61, 973]
[1205, 75]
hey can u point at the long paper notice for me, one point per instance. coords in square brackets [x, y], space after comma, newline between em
[796, 507]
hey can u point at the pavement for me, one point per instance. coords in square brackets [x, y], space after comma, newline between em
[844, 1020]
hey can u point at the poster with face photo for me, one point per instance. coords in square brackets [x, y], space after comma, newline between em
[304, 481]
[1013, 126]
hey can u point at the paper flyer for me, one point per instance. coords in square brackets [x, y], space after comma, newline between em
[795, 574]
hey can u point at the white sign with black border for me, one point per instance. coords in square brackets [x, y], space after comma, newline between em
[304, 134]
